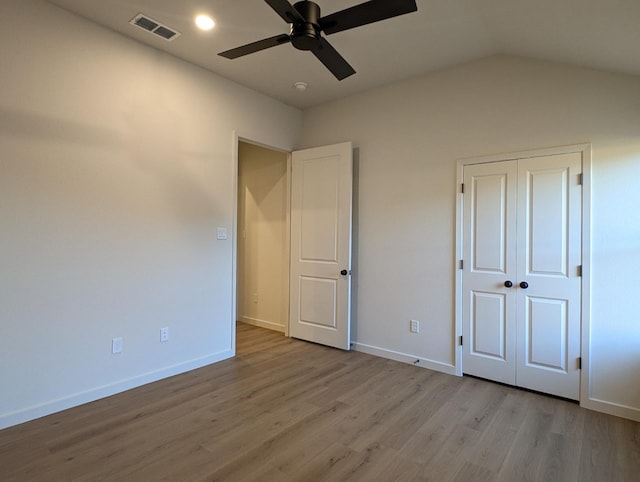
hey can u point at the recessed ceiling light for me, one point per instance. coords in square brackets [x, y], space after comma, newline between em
[300, 86]
[204, 22]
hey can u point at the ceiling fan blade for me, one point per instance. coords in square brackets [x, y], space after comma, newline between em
[332, 60]
[256, 46]
[286, 11]
[365, 13]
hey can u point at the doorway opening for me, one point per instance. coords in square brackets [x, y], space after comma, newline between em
[262, 269]
[300, 200]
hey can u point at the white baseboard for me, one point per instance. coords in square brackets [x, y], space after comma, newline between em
[611, 408]
[53, 406]
[269, 325]
[405, 358]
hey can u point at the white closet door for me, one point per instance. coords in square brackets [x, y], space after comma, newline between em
[489, 261]
[549, 256]
[521, 283]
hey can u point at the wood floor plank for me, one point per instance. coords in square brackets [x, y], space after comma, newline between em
[373, 415]
[476, 473]
[289, 449]
[387, 465]
[407, 422]
[610, 448]
[498, 436]
[452, 454]
[286, 410]
[336, 463]
[486, 402]
[528, 450]
[426, 442]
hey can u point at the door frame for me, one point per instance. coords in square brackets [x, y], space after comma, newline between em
[236, 139]
[585, 150]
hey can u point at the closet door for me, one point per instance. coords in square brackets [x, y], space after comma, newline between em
[521, 281]
[549, 256]
[489, 258]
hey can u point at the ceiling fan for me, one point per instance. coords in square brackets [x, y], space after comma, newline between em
[307, 27]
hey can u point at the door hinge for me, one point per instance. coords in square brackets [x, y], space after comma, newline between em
[460, 340]
[580, 179]
[461, 264]
[579, 363]
[462, 188]
[579, 270]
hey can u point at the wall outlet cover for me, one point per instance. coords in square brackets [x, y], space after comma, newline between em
[117, 345]
[414, 326]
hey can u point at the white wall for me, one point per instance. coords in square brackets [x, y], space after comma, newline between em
[263, 251]
[116, 167]
[410, 135]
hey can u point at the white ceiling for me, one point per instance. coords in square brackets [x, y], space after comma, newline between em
[602, 34]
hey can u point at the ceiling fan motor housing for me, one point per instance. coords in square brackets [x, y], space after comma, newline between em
[305, 36]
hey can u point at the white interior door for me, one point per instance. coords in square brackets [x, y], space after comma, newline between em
[521, 282]
[489, 261]
[549, 256]
[320, 281]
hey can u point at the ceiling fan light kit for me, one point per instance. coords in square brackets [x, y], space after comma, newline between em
[307, 26]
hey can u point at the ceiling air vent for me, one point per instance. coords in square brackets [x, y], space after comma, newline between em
[154, 27]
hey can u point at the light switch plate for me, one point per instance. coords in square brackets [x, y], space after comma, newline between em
[221, 233]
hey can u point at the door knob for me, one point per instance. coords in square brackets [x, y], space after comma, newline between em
[508, 284]
[344, 272]
[524, 285]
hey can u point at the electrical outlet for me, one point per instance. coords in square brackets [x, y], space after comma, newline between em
[414, 327]
[117, 344]
[254, 297]
[164, 334]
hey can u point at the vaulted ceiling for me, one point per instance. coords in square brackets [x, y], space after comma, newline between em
[600, 34]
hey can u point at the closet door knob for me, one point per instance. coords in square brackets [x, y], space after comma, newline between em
[344, 272]
[508, 284]
[524, 285]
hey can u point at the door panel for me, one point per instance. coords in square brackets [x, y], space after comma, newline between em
[321, 189]
[545, 326]
[319, 210]
[318, 301]
[545, 215]
[488, 326]
[489, 218]
[487, 304]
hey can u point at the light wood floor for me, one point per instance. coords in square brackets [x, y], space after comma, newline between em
[286, 410]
